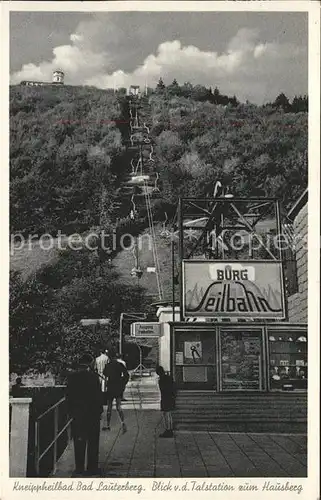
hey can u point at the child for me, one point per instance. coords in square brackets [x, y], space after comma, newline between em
[167, 390]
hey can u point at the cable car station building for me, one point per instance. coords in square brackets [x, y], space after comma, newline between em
[228, 337]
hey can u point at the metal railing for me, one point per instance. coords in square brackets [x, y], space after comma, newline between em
[57, 433]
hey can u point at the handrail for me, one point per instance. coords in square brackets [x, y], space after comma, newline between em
[51, 408]
[57, 434]
[55, 440]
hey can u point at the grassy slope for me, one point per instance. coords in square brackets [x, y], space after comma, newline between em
[125, 262]
[28, 261]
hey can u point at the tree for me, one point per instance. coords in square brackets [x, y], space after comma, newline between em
[201, 93]
[173, 89]
[216, 96]
[160, 87]
[62, 139]
[282, 102]
[299, 104]
[186, 89]
[233, 101]
[31, 328]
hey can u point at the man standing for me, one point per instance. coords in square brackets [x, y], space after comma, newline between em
[167, 390]
[117, 378]
[84, 401]
[100, 365]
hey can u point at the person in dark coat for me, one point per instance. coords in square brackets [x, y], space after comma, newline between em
[84, 401]
[167, 390]
[16, 389]
[117, 378]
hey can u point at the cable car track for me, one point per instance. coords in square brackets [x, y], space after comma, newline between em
[142, 181]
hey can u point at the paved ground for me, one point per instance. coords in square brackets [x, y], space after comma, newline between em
[141, 453]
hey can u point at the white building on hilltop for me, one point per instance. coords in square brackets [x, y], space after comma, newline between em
[57, 79]
[58, 76]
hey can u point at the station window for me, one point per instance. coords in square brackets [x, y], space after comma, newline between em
[195, 360]
[288, 367]
[241, 360]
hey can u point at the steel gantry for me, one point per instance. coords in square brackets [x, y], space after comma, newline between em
[225, 228]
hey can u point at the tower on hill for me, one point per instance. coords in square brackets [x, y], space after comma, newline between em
[58, 76]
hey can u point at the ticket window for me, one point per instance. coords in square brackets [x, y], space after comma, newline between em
[241, 355]
[195, 360]
[288, 365]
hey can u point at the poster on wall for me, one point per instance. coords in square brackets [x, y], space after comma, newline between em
[241, 360]
[179, 358]
[193, 351]
[250, 289]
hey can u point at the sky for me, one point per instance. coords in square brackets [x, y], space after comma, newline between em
[252, 55]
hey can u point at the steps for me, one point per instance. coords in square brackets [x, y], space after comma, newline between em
[142, 394]
[241, 412]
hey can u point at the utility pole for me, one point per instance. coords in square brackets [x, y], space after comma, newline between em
[123, 315]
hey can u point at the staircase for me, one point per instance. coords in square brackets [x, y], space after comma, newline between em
[142, 393]
[241, 412]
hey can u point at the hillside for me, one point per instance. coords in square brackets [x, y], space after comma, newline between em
[69, 156]
[68, 152]
[33, 260]
[65, 145]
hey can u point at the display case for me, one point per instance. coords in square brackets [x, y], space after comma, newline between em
[241, 359]
[288, 367]
[195, 360]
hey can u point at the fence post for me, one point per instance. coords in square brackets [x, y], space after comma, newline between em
[55, 437]
[19, 436]
[37, 448]
[69, 432]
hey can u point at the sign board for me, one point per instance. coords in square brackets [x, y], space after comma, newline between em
[243, 289]
[145, 330]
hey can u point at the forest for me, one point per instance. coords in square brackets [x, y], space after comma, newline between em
[68, 157]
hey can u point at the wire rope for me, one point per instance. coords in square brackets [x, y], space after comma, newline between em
[154, 244]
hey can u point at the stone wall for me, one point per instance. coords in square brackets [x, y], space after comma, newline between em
[298, 303]
[33, 379]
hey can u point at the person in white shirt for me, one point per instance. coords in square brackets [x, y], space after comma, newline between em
[100, 365]
[121, 360]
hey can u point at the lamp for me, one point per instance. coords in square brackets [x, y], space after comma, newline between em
[271, 338]
[302, 339]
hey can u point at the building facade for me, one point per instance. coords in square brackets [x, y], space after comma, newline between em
[262, 355]
[298, 293]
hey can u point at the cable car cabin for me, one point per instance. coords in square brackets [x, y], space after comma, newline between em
[139, 129]
[140, 137]
[150, 190]
[134, 91]
[138, 179]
